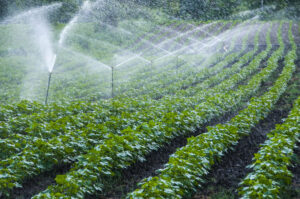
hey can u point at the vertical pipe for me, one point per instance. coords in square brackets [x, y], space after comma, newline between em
[112, 82]
[48, 88]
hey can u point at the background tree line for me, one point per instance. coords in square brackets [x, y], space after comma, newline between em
[8, 7]
[222, 9]
[187, 9]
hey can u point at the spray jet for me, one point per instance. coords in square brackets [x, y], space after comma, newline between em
[49, 77]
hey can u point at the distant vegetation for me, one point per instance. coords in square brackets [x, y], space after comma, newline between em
[187, 9]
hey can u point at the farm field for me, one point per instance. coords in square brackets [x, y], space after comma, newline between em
[149, 108]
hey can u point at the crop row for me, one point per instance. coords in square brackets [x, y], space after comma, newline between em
[270, 175]
[43, 129]
[119, 152]
[61, 125]
[188, 166]
[46, 153]
[72, 123]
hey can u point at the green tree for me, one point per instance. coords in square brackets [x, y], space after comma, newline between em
[3, 8]
[207, 9]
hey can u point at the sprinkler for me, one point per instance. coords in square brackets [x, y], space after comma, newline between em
[49, 78]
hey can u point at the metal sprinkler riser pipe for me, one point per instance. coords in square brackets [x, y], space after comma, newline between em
[48, 88]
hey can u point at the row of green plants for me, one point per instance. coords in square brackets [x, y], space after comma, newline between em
[53, 129]
[188, 166]
[118, 152]
[18, 123]
[19, 142]
[65, 147]
[44, 132]
[24, 127]
[270, 174]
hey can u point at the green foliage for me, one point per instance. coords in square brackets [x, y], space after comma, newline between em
[159, 104]
[207, 9]
[119, 152]
[67, 10]
[185, 171]
[270, 176]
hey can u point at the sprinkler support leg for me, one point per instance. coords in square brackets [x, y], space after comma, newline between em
[47, 94]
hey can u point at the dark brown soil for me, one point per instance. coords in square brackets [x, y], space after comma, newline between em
[154, 161]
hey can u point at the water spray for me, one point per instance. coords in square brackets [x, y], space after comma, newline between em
[177, 63]
[49, 77]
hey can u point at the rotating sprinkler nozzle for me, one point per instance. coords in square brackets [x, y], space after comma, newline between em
[49, 78]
